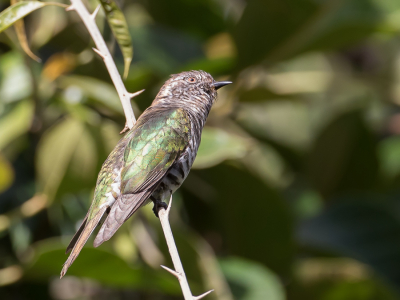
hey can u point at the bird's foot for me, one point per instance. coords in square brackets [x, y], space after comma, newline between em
[157, 205]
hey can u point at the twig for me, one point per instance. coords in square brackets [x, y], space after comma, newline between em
[178, 272]
[103, 52]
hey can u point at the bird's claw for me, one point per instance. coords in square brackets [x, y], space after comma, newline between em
[158, 205]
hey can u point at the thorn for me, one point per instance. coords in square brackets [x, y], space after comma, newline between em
[99, 53]
[202, 295]
[69, 8]
[131, 95]
[93, 15]
[176, 274]
[126, 128]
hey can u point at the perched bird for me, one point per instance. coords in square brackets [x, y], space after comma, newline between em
[152, 160]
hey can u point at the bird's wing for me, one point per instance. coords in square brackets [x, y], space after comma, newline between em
[151, 152]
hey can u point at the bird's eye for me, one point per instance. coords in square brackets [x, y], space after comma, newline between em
[191, 80]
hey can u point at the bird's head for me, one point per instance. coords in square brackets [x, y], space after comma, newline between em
[192, 87]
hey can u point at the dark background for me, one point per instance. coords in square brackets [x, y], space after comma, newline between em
[295, 193]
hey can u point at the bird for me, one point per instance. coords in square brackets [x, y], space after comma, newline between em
[153, 158]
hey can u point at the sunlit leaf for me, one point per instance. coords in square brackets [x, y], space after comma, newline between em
[16, 123]
[280, 120]
[16, 80]
[218, 145]
[96, 90]
[55, 152]
[19, 10]
[119, 27]
[84, 159]
[6, 174]
[251, 281]
[59, 64]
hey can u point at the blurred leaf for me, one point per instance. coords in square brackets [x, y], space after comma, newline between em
[268, 164]
[16, 80]
[20, 236]
[48, 23]
[218, 145]
[258, 94]
[96, 90]
[84, 159]
[15, 123]
[252, 218]
[56, 150]
[19, 10]
[102, 266]
[361, 226]
[303, 25]
[10, 275]
[6, 174]
[59, 64]
[251, 281]
[157, 47]
[201, 18]
[21, 34]
[344, 156]
[119, 27]
[283, 121]
[389, 156]
[358, 290]
[261, 19]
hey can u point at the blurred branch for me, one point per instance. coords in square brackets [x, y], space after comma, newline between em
[178, 272]
[103, 52]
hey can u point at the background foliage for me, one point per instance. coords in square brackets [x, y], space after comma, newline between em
[295, 190]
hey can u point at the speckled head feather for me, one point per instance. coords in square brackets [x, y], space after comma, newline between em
[192, 89]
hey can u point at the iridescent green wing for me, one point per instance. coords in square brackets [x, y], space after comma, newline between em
[155, 146]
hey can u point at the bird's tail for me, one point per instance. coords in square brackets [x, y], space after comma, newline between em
[122, 209]
[80, 239]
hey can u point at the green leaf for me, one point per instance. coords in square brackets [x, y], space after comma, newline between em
[15, 123]
[242, 204]
[218, 145]
[251, 281]
[389, 156]
[19, 10]
[96, 90]
[21, 34]
[344, 156]
[282, 121]
[119, 27]
[97, 264]
[361, 226]
[201, 19]
[276, 30]
[55, 152]
[6, 174]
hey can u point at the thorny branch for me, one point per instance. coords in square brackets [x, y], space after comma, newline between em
[178, 272]
[103, 52]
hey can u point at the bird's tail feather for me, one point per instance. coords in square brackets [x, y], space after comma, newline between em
[86, 231]
[76, 236]
[122, 209]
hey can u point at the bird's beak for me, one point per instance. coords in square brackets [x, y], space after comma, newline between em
[220, 84]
